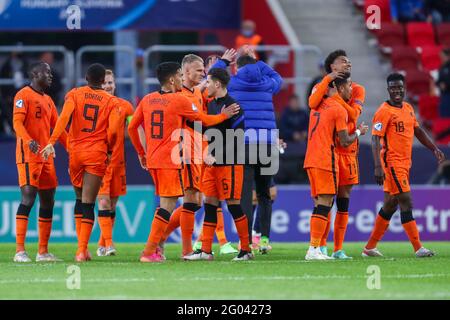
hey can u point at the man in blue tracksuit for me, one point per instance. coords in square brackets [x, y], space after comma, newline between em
[253, 88]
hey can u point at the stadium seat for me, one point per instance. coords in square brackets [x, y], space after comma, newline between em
[420, 34]
[404, 58]
[443, 34]
[385, 9]
[390, 35]
[417, 82]
[428, 107]
[430, 57]
[440, 127]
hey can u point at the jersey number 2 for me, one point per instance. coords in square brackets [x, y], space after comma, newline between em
[90, 116]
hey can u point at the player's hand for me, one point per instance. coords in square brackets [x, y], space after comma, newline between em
[336, 74]
[231, 110]
[143, 162]
[439, 155]
[48, 151]
[34, 146]
[363, 128]
[209, 160]
[379, 176]
[229, 55]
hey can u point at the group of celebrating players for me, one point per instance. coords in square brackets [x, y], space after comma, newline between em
[92, 127]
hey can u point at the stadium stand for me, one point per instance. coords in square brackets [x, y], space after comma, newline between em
[404, 58]
[420, 34]
[443, 34]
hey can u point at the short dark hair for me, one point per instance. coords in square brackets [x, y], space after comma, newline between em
[221, 75]
[34, 67]
[210, 57]
[96, 73]
[165, 70]
[338, 82]
[244, 60]
[395, 77]
[332, 57]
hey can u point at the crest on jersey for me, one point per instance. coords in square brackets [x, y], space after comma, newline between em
[19, 103]
[378, 126]
[194, 107]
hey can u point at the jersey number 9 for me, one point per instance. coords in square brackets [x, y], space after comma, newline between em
[90, 113]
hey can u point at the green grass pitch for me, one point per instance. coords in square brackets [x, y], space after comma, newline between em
[282, 274]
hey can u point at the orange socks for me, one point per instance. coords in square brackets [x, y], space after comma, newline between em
[22, 214]
[323, 240]
[105, 223]
[220, 228]
[241, 222]
[87, 223]
[209, 227]
[410, 227]
[159, 225]
[101, 240]
[381, 225]
[318, 226]
[340, 227]
[78, 214]
[174, 223]
[45, 228]
[187, 221]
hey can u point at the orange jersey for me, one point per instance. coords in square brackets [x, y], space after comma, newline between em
[163, 115]
[396, 127]
[324, 123]
[94, 114]
[353, 108]
[34, 115]
[195, 96]
[118, 151]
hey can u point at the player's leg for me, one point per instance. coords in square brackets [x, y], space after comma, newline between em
[191, 204]
[256, 232]
[104, 212]
[384, 216]
[247, 192]
[225, 246]
[78, 210]
[262, 186]
[28, 196]
[47, 201]
[341, 221]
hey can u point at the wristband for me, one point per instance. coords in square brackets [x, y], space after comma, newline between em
[358, 132]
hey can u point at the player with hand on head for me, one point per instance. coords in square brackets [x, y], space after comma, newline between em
[114, 182]
[163, 114]
[337, 64]
[34, 115]
[92, 136]
[223, 180]
[394, 128]
[321, 158]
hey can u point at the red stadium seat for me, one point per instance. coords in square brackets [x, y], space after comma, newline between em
[420, 34]
[428, 107]
[404, 58]
[390, 35]
[443, 34]
[430, 57]
[440, 126]
[385, 9]
[417, 82]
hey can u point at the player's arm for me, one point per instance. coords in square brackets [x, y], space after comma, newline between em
[357, 103]
[113, 126]
[188, 112]
[133, 132]
[346, 139]
[353, 113]
[60, 127]
[321, 89]
[272, 74]
[426, 140]
[376, 149]
[63, 138]
[19, 116]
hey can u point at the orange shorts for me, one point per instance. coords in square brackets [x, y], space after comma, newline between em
[114, 183]
[192, 176]
[397, 180]
[168, 182]
[348, 169]
[322, 181]
[91, 162]
[223, 182]
[41, 175]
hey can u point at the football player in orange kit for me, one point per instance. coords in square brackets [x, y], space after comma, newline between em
[34, 115]
[92, 135]
[163, 113]
[394, 128]
[337, 64]
[114, 182]
[193, 75]
[321, 155]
